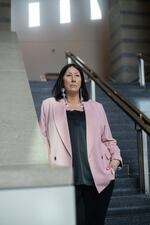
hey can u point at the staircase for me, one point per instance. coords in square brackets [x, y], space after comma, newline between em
[128, 206]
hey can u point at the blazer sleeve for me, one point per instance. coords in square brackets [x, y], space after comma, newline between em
[44, 126]
[109, 141]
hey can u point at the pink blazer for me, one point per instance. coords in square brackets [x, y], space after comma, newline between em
[101, 147]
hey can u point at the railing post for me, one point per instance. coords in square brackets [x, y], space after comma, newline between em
[93, 92]
[69, 60]
[141, 72]
[143, 160]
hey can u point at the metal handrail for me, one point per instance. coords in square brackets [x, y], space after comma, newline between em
[143, 56]
[138, 116]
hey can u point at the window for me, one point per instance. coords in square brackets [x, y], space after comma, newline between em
[65, 11]
[95, 10]
[34, 14]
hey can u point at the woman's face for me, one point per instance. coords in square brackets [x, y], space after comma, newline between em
[72, 80]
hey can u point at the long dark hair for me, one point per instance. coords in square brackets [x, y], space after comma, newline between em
[57, 93]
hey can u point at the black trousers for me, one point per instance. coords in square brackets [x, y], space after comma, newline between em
[91, 206]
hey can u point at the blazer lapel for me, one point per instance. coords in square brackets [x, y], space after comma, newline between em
[60, 118]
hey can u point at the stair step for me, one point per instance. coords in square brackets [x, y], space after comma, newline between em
[129, 219]
[129, 156]
[135, 205]
[126, 182]
[126, 144]
[124, 172]
[126, 186]
[124, 126]
[135, 202]
[123, 134]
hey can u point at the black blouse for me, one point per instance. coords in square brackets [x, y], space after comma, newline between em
[77, 129]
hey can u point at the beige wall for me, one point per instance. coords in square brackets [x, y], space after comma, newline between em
[43, 48]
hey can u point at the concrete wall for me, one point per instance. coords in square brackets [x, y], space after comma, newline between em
[20, 138]
[5, 15]
[24, 169]
[130, 34]
[43, 48]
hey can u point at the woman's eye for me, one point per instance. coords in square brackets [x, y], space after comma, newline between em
[69, 75]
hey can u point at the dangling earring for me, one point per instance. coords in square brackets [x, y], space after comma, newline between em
[64, 96]
[63, 93]
[81, 97]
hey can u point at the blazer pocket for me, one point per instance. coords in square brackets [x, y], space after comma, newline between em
[110, 171]
[107, 155]
[106, 159]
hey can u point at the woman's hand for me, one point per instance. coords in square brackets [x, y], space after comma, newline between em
[114, 163]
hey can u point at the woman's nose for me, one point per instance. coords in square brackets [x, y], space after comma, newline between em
[73, 78]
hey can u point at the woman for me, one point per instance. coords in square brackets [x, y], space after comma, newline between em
[77, 133]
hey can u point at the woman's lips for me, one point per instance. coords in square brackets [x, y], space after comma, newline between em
[73, 85]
